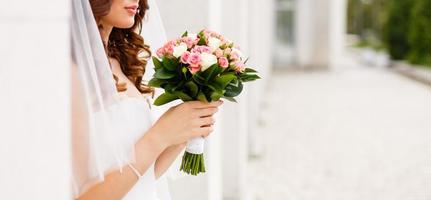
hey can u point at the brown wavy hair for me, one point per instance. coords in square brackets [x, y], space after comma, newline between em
[126, 46]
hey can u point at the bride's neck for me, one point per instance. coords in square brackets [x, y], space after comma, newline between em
[105, 31]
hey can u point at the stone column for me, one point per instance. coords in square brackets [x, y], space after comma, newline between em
[320, 27]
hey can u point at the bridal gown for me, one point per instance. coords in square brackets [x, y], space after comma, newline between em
[136, 123]
[133, 116]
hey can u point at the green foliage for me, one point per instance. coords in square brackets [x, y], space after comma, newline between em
[396, 28]
[420, 33]
[402, 27]
[209, 85]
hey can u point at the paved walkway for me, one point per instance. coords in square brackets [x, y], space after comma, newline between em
[357, 133]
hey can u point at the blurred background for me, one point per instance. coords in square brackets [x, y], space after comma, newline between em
[342, 113]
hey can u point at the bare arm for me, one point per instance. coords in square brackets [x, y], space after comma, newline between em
[165, 160]
[116, 184]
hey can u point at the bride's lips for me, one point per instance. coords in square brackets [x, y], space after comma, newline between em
[132, 9]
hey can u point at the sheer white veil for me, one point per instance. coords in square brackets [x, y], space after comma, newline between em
[101, 148]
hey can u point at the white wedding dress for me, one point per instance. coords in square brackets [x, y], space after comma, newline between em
[136, 122]
[109, 126]
[138, 109]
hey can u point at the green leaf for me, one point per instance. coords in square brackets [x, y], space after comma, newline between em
[155, 82]
[201, 97]
[183, 96]
[202, 40]
[230, 99]
[185, 34]
[199, 79]
[170, 64]
[215, 87]
[224, 80]
[157, 63]
[233, 90]
[193, 88]
[249, 77]
[163, 74]
[165, 98]
[173, 87]
[249, 70]
[211, 72]
[215, 96]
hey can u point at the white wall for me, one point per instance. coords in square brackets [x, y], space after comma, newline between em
[34, 104]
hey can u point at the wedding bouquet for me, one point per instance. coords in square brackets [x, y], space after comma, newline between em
[205, 67]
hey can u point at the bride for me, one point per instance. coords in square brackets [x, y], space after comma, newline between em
[120, 150]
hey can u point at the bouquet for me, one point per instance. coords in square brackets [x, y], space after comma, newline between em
[205, 67]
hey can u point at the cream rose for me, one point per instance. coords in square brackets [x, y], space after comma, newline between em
[180, 49]
[207, 60]
[193, 36]
[214, 43]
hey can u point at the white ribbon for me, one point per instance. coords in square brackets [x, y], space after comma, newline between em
[196, 145]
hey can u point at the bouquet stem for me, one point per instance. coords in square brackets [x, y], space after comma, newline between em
[193, 163]
[193, 159]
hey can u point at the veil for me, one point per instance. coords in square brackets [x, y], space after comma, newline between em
[100, 148]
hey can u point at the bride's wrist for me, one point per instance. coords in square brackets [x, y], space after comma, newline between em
[156, 140]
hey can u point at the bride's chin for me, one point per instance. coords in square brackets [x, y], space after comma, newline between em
[125, 25]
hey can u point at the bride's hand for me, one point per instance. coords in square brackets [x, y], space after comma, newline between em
[185, 121]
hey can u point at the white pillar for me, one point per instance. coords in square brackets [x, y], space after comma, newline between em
[34, 105]
[260, 51]
[312, 33]
[235, 26]
[214, 143]
[320, 30]
[338, 28]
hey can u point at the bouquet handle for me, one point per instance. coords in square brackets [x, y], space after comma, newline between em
[193, 159]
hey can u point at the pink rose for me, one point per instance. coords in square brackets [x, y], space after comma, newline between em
[234, 56]
[194, 59]
[185, 57]
[223, 62]
[169, 49]
[201, 49]
[239, 66]
[160, 52]
[227, 51]
[189, 41]
[218, 53]
[194, 68]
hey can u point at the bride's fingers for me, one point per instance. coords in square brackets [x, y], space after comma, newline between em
[203, 131]
[206, 121]
[198, 104]
[206, 112]
[206, 131]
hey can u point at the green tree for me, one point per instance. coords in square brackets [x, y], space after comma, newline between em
[396, 26]
[420, 33]
[365, 19]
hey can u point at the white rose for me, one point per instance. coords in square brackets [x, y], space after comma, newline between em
[237, 51]
[194, 36]
[207, 60]
[214, 43]
[180, 49]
